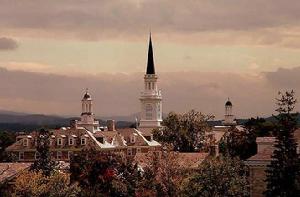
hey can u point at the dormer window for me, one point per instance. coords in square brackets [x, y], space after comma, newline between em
[132, 139]
[59, 141]
[25, 142]
[83, 141]
[71, 141]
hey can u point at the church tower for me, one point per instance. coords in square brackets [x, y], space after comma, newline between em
[151, 99]
[87, 116]
[229, 117]
[86, 108]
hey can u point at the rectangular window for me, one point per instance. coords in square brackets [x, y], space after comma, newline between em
[132, 139]
[25, 142]
[37, 155]
[70, 153]
[59, 141]
[138, 150]
[21, 155]
[83, 141]
[71, 141]
[129, 151]
[58, 155]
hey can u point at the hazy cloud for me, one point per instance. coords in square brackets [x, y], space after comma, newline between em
[92, 19]
[117, 94]
[8, 44]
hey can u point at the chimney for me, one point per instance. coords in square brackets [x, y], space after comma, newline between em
[111, 125]
[73, 124]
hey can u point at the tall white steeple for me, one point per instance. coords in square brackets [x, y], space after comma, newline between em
[151, 99]
[229, 117]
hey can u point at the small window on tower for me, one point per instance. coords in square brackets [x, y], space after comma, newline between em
[149, 110]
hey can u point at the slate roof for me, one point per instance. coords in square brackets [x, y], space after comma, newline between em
[9, 170]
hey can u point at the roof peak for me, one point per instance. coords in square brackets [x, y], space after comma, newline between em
[150, 62]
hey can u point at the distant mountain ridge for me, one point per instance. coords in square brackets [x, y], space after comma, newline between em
[15, 121]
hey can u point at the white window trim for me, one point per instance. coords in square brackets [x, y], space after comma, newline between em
[132, 139]
[58, 154]
[25, 142]
[71, 139]
[35, 155]
[83, 139]
[21, 153]
[59, 140]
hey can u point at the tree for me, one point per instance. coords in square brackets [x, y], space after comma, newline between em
[218, 177]
[238, 143]
[260, 127]
[44, 162]
[36, 184]
[103, 174]
[162, 176]
[6, 139]
[285, 165]
[184, 132]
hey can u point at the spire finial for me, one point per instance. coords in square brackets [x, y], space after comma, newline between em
[150, 63]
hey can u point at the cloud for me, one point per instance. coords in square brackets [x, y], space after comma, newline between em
[8, 44]
[96, 19]
[118, 94]
[26, 66]
[285, 78]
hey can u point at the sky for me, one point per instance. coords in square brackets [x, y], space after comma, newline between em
[205, 51]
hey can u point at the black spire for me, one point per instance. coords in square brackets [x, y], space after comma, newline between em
[150, 63]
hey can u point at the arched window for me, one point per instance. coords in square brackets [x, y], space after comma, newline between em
[149, 110]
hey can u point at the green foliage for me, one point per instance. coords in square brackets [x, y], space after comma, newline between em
[260, 127]
[103, 173]
[6, 139]
[184, 132]
[284, 169]
[218, 177]
[44, 162]
[35, 184]
[238, 143]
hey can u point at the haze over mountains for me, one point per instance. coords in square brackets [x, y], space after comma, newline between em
[18, 121]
